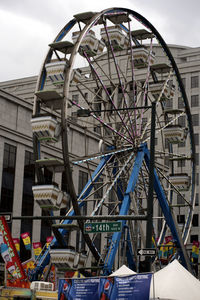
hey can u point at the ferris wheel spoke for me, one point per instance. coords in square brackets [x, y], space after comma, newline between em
[118, 74]
[108, 95]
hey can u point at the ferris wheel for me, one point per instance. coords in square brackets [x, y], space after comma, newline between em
[94, 95]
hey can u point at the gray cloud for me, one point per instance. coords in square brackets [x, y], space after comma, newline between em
[27, 26]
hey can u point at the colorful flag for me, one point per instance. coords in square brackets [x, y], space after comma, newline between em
[26, 240]
[37, 248]
[17, 245]
[195, 249]
[49, 240]
[169, 246]
[9, 252]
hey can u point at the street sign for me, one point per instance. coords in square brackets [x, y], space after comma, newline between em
[146, 252]
[103, 227]
[7, 216]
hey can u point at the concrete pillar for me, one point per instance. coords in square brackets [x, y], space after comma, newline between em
[18, 189]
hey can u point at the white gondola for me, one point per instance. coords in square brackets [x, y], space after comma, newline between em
[181, 181]
[118, 40]
[49, 196]
[175, 133]
[55, 71]
[157, 88]
[65, 258]
[141, 57]
[46, 128]
[62, 258]
[90, 44]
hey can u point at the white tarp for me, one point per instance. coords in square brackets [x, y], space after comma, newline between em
[123, 271]
[174, 282]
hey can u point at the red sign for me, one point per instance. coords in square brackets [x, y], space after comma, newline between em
[9, 252]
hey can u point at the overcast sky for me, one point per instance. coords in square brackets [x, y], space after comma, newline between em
[28, 26]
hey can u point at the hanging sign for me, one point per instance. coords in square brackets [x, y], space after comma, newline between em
[9, 252]
[49, 239]
[37, 248]
[17, 245]
[26, 240]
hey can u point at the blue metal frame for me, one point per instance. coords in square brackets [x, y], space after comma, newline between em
[123, 211]
[166, 211]
[142, 154]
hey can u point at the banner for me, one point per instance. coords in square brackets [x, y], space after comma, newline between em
[135, 287]
[26, 240]
[9, 252]
[37, 248]
[17, 245]
[49, 240]
[195, 249]
[167, 250]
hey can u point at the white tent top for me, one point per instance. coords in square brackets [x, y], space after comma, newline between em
[175, 282]
[123, 271]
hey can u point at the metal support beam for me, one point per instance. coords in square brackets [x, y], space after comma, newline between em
[105, 217]
[123, 211]
[149, 225]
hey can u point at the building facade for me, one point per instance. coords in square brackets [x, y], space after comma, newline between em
[16, 150]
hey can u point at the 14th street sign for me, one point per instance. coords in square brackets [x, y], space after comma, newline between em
[146, 252]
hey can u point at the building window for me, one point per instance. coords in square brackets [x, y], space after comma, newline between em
[97, 129]
[194, 100]
[184, 82]
[169, 103]
[194, 82]
[181, 144]
[196, 139]
[28, 201]
[182, 121]
[83, 179]
[180, 103]
[195, 220]
[181, 219]
[197, 199]
[181, 163]
[195, 120]
[8, 177]
[194, 237]
[97, 102]
[167, 143]
[197, 159]
[166, 161]
[180, 199]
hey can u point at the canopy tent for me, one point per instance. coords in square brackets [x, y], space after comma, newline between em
[123, 271]
[174, 282]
